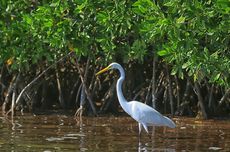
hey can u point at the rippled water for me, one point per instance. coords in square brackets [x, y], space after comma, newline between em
[64, 133]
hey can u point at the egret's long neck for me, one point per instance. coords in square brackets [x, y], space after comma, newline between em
[120, 95]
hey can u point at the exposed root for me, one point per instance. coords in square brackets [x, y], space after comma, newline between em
[8, 112]
[78, 114]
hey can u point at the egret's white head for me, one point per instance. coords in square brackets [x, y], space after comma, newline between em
[113, 65]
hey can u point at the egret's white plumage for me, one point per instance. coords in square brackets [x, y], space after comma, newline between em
[142, 113]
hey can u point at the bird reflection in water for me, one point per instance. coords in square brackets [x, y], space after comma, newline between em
[151, 144]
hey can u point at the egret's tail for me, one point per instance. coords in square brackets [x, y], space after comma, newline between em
[169, 122]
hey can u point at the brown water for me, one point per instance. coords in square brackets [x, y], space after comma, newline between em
[63, 133]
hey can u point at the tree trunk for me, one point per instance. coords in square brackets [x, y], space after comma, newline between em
[60, 95]
[170, 90]
[200, 102]
[5, 106]
[187, 90]
[70, 97]
[2, 86]
[177, 92]
[210, 98]
[154, 81]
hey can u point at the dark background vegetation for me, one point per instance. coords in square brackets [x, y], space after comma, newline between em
[175, 53]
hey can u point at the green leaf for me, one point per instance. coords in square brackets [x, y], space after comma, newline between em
[48, 23]
[186, 65]
[217, 77]
[27, 19]
[102, 17]
[224, 4]
[170, 3]
[181, 20]
[162, 52]
[143, 6]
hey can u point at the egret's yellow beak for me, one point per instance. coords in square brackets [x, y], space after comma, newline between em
[103, 70]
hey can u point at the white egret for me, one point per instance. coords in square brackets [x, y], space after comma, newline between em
[142, 113]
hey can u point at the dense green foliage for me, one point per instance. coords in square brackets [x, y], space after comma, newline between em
[192, 37]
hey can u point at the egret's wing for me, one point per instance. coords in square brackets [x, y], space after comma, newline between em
[147, 115]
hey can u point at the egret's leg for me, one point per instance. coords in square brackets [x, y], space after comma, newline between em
[139, 135]
[139, 126]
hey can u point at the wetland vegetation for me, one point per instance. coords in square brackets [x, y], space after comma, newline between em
[175, 53]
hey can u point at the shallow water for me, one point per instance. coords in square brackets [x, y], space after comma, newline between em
[64, 133]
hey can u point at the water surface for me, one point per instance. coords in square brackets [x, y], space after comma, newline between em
[64, 133]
